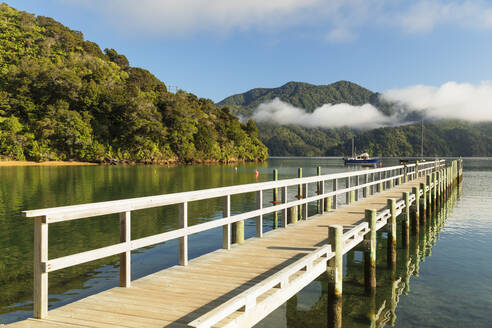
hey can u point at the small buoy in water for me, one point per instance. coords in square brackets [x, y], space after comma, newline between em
[256, 174]
[375, 166]
[235, 168]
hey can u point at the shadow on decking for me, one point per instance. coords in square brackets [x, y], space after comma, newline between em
[183, 321]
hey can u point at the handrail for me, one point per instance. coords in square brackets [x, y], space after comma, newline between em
[72, 212]
[44, 217]
[280, 280]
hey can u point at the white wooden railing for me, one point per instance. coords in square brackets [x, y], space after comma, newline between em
[373, 180]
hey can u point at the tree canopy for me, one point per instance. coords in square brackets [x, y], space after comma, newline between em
[62, 98]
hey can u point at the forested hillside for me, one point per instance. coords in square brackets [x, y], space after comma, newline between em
[62, 98]
[302, 95]
[443, 138]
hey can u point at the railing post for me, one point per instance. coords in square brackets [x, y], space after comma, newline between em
[370, 254]
[406, 222]
[275, 200]
[259, 218]
[391, 224]
[335, 187]
[299, 194]
[285, 211]
[366, 189]
[306, 206]
[320, 202]
[125, 258]
[357, 183]
[347, 194]
[226, 229]
[183, 241]
[40, 274]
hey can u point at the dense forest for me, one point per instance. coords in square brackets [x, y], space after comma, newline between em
[443, 138]
[62, 98]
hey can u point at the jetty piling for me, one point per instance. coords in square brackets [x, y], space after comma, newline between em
[391, 230]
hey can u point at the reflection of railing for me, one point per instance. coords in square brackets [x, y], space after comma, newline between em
[42, 265]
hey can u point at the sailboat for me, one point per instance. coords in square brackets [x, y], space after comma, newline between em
[363, 158]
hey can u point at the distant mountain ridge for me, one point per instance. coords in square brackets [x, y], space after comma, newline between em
[443, 138]
[302, 95]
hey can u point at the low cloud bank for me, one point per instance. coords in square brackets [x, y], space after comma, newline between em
[452, 100]
[333, 116]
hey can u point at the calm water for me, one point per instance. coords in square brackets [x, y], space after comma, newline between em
[444, 280]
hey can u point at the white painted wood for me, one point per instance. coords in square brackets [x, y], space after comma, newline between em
[306, 205]
[183, 241]
[226, 229]
[84, 257]
[125, 258]
[244, 301]
[65, 213]
[259, 218]
[284, 195]
[40, 273]
[335, 187]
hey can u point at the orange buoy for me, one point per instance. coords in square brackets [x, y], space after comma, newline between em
[256, 174]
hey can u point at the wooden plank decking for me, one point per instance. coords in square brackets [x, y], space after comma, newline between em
[176, 296]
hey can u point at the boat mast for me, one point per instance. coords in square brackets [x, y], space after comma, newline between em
[422, 140]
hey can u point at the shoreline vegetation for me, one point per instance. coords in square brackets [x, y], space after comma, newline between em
[47, 163]
[7, 163]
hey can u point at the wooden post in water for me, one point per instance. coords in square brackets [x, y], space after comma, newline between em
[292, 219]
[40, 276]
[416, 211]
[434, 191]
[370, 253]
[335, 264]
[299, 194]
[238, 233]
[406, 223]
[275, 200]
[428, 181]
[125, 258]
[391, 256]
[423, 205]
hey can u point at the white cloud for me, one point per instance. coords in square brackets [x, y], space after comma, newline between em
[451, 100]
[340, 19]
[326, 116]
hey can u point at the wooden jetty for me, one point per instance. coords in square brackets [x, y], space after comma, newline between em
[239, 285]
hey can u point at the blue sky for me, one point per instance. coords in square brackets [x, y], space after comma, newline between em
[216, 48]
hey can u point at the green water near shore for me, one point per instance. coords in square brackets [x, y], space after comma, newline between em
[24, 188]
